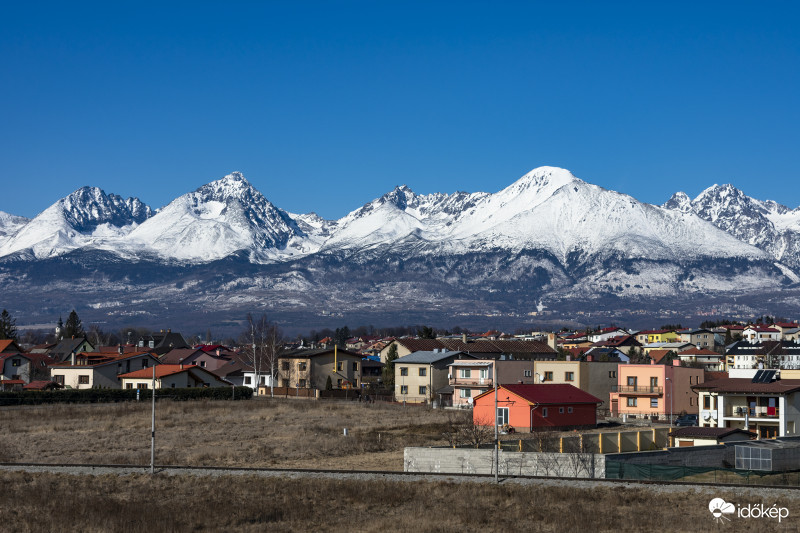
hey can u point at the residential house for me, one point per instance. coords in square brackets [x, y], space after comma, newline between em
[606, 333]
[481, 348]
[598, 378]
[763, 403]
[172, 377]
[531, 407]
[623, 343]
[471, 377]
[371, 370]
[15, 366]
[653, 390]
[422, 376]
[89, 370]
[701, 338]
[761, 333]
[66, 348]
[163, 341]
[676, 346]
[310, 369]
[786, 329]
[708, 359]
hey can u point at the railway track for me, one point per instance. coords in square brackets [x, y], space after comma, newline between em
[366, 475]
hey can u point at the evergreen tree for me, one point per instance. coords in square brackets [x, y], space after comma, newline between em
[388, 369]
[73, 326]
[8, 326]
[426, 332]
[329, 384]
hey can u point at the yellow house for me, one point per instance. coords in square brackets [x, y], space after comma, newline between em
[662, 335]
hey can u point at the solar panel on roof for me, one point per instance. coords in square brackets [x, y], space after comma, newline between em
[769, 376]
[757, 377]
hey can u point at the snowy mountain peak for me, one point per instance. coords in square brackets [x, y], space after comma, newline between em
[680, 201]
[89, 207]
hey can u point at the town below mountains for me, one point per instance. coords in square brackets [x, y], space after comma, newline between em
[548, 249]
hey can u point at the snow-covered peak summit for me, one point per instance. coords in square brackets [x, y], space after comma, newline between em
[89, 207]
[680, 201]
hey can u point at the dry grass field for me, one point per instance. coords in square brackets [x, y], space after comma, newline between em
[259, 432]
[140, 503]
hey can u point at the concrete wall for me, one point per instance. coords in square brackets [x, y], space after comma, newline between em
[473, 461]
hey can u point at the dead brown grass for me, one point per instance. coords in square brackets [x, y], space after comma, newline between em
[262, 432]
[60, 502]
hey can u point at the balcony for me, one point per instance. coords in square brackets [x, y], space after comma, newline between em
[471, 382]
[637, 389]
[734, 411]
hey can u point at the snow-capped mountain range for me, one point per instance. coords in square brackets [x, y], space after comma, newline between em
[548, 234]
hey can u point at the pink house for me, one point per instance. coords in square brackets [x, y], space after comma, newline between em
[655, 390]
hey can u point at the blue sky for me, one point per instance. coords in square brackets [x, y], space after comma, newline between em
[327, 105]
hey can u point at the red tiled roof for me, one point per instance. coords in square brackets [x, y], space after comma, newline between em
[6, 343]
[711, 376]
[658, 355]
[547, 394]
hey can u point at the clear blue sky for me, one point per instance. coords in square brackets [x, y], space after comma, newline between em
[327, 105]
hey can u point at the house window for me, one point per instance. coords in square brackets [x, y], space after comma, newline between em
[422, 371]
[83, 380]
[631, 402]
[142, 386]
[612, 374]
[302, 384]
[284, 383]
[129, 385]
[464, 393]
[423, 390]
[15, 362]
[58, 379]
[247, 380]
[465, 373]
[569, 410]
[144, 363]
[339, 366]
[403, 389]
[339, 383]
[172, 385]
[526, 373]
[263, 380]
[483, 373]
[569, 376]
[654, 382]
[302, 366]
[561, 410]
[203, 364]
[403, 370]
[355, 366]
[653, 402]
[544, 412]
[631, 381]
[285, 365]
[502, 416]
[706, 402]
[548, 376]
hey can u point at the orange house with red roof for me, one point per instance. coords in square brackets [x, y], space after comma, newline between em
[536, 407]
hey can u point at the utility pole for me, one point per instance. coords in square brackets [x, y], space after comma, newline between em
[153, 427]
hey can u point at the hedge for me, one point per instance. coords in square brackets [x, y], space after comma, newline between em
[121, 395]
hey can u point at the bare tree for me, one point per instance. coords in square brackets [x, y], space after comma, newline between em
[262, 340]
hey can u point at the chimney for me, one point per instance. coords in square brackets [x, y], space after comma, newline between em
[464, 338]
[589, 358]
[121, 351]
[569, 357]
[72, 358]
[676, 362]
[652, 361]
[551, 340]
[218, 352]
[181, 366]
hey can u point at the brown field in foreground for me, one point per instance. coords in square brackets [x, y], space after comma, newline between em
[259, 432]
[140, 503]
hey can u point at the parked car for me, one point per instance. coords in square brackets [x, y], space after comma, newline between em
[686, 420]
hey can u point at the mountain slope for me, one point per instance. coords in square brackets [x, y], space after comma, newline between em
[87, 217]
[217, 220]
[767, 225]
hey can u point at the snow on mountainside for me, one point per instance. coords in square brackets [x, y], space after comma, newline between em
[767, 225]
[217, 220]
[87, 217]
[551, 209]
[10, 224]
